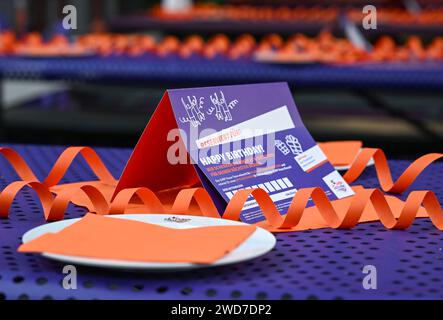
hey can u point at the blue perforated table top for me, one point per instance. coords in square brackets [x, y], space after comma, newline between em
[151, 69]
[316, 264]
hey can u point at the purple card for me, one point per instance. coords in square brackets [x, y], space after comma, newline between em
[252, 136]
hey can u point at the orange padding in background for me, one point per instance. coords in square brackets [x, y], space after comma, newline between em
[366, 205]
[94, 236]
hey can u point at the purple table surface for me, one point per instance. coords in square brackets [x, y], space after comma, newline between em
[316, 264]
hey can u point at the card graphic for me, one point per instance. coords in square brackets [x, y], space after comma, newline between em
[281, 146]
[221, 108]
[265, 145]
[193, 108]
[294, 145]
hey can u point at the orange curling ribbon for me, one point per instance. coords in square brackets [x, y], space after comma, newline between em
[123, 199]
[68, 156]
[384, 173]
[333, 219]
[95, 163]
[54, 207]
[62, 199]
[9, 193]
[344, 213]
[182, 202]
[18, 164]
[61, 165]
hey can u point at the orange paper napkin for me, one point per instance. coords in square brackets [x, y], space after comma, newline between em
[102, 237]
[341, 153]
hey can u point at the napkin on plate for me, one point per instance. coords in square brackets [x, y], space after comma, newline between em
[103, 237]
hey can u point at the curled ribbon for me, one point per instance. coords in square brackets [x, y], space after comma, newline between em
[60, 166]
[384, 175]
[384, 172]
[54, 207]
[290, 221]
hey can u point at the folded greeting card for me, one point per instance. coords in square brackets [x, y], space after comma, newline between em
[120, 239]
[230, 138]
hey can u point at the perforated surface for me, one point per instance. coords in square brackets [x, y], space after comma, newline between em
[323, 264]
[199, 70]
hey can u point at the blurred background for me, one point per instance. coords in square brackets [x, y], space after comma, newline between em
[96, 78]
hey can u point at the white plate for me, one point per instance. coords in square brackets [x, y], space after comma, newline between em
[259, 243]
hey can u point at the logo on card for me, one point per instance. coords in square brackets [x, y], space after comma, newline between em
[338, 186]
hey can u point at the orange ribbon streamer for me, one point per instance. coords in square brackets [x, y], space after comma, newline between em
[61, 165]
[54, 207]
[384, 172]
